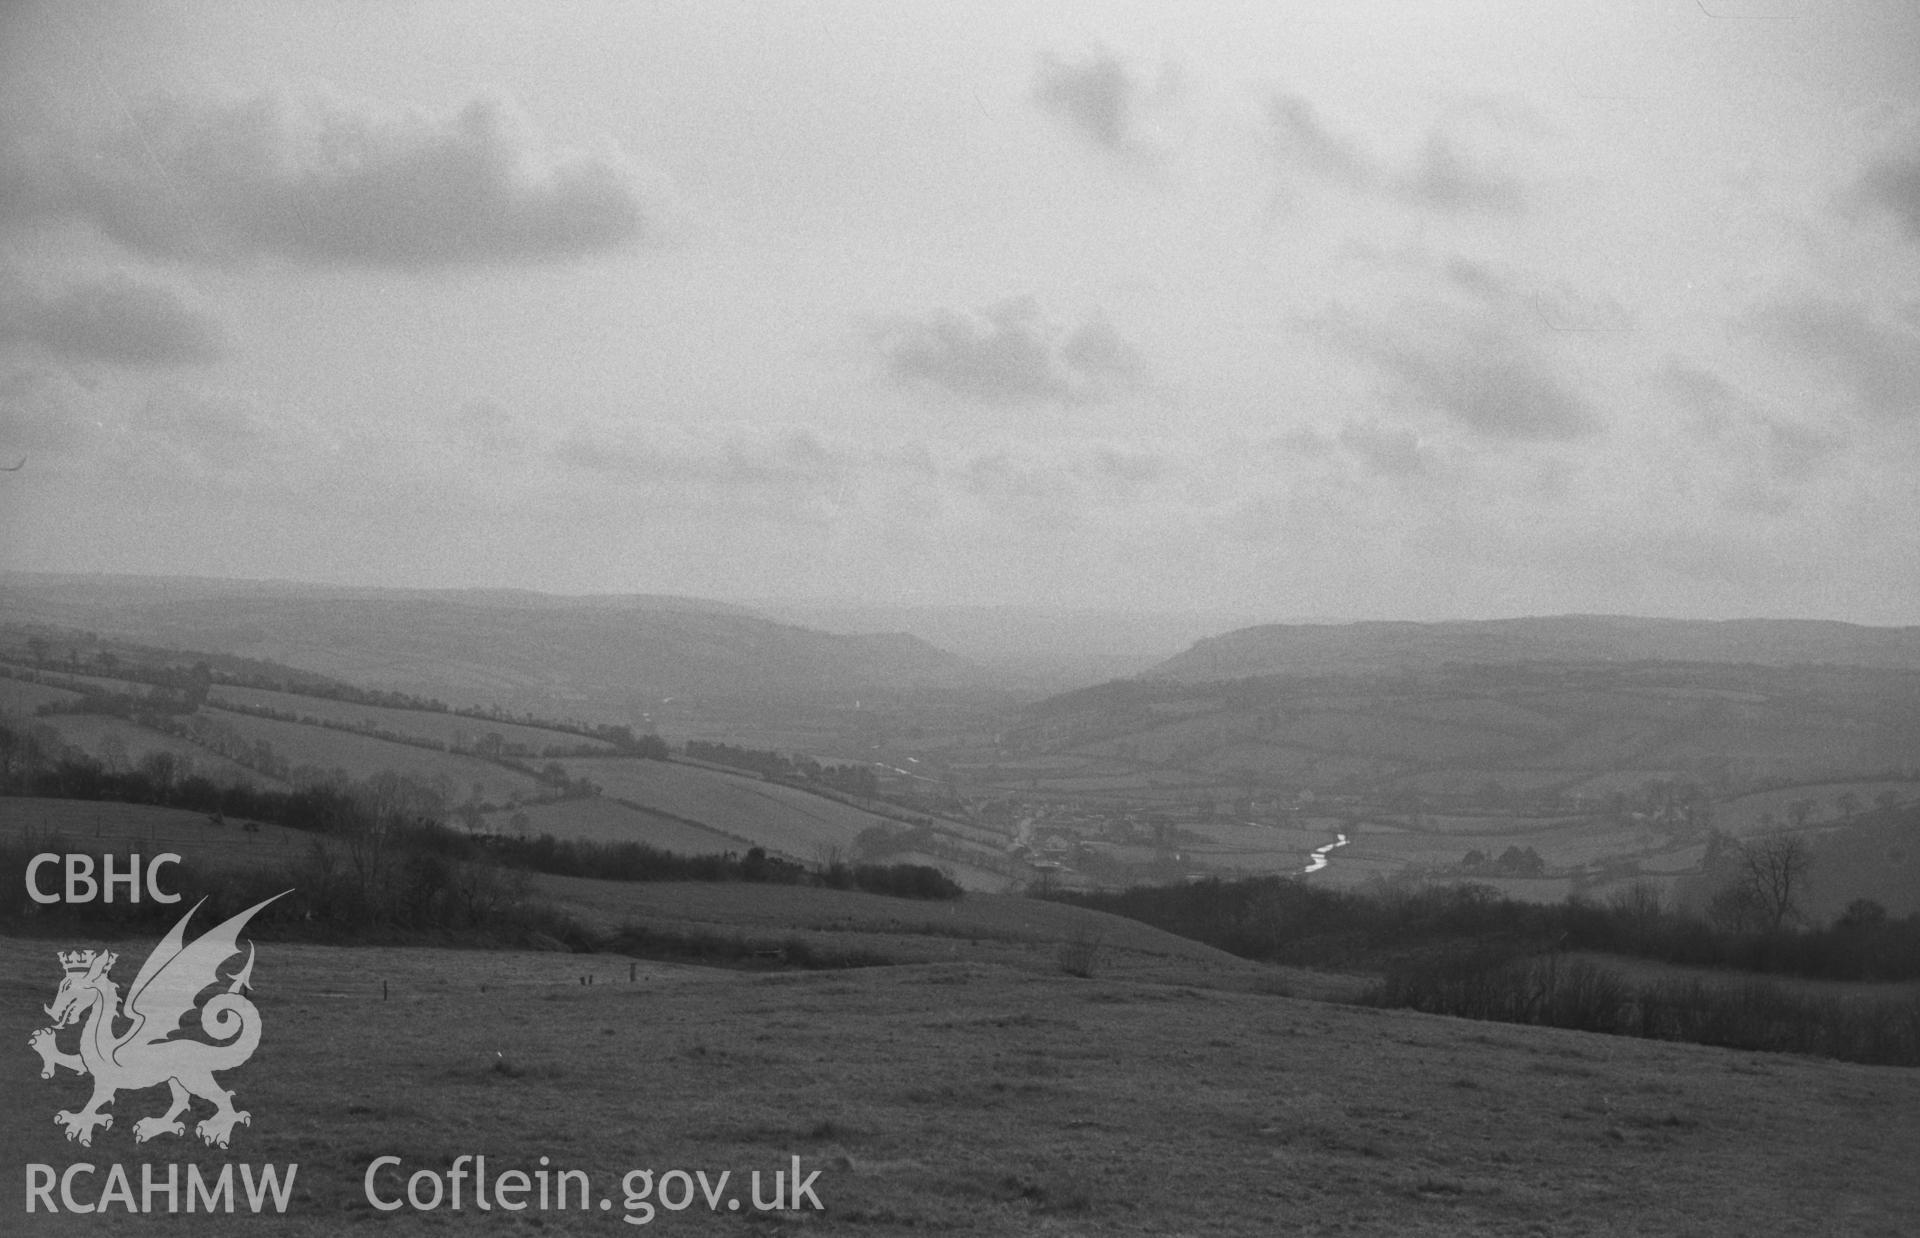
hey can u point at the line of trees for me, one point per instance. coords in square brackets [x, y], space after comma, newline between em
[632, 861]
[1280, 920]
[1473, 981]
[848, 779]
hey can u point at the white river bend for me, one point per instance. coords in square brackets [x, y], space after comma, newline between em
[1319, 858]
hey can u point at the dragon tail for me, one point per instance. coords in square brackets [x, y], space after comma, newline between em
[235, 1022]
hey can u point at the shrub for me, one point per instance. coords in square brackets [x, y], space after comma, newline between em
[1081, 953]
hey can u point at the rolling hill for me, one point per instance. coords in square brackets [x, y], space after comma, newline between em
[1292, 649]
[1592, 775]
[495, 775]
[1577, 728]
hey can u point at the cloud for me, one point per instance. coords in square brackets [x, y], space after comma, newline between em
[1798, 451]
[43, 410]
[1063, 485]
[738, 457]
[1494, 384]
[180, 425]
[1716, 402]
[1737, 423]
[1483, 375]
[1008, 354]
[167, 431]
[731, 474]
[1459, 168]
[1385, 450]
[1095, 350]
[1564, 307]
[335, 181]
[1556, 304]
[114, 319]
[1307, 143]
[1103, 100]
[1482, 279]
[1449, 176]
[1879, 364]
[1126, 469]
[1891, 183]
[771, 473]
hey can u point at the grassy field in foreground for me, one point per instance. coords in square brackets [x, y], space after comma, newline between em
[979, 1099]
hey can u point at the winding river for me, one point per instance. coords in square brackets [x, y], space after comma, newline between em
[1319, 859]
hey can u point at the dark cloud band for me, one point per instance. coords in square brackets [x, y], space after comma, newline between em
[328, 180]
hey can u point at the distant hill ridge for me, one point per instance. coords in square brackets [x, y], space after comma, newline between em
[492, 645]
[1273, 649]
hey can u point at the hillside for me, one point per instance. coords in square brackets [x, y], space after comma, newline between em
[1293, 649]
[494, 647]
[1542, 779]
[487, 773]
[977, 1098]
[1568, 728]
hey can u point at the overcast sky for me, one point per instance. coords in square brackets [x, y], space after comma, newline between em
[1401, 309]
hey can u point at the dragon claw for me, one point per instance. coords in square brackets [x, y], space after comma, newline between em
[218, 1129]
[149, 1128]
[80, 1126]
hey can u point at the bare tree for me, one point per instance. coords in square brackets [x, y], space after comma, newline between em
[1773, 874]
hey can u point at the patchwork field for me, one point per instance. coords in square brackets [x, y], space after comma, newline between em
[1746, 814]
[117, 742]
[19, 698]
[980, 1098]
[676, 806]
[604, 820]
[441, 728]
[362, 755]
[780, 818]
